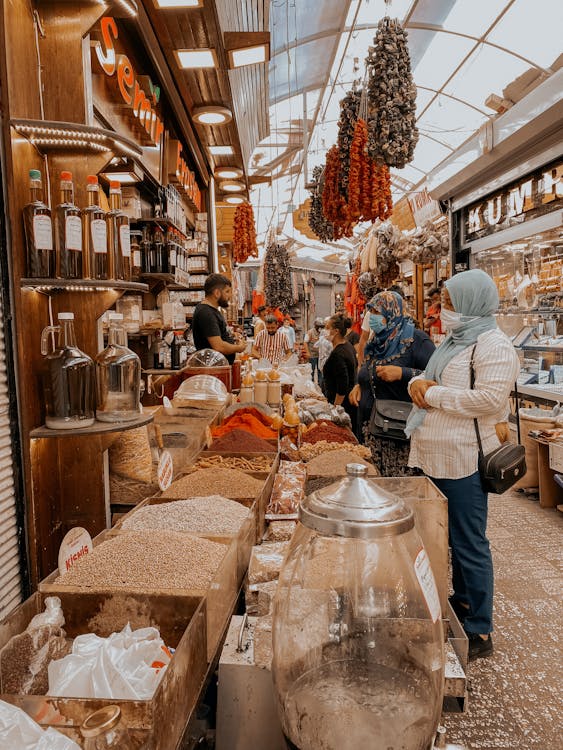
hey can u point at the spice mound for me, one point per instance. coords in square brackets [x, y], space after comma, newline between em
[147, 561]
[242, 441]
[311, 450]
[330, 432]
[252, 464]
[225, 482]
[198, 515]
[333, 464]
[252, 420]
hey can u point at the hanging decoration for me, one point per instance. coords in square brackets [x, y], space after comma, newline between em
[349, 107]
[335, 208]
[317, 221]
[277, 277]
[393, 134]
[430, 243]
[244, 235]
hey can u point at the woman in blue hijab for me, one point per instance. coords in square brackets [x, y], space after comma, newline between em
[396, 353]
[444, 439]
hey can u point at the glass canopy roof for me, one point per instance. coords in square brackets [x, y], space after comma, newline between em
[462, 51]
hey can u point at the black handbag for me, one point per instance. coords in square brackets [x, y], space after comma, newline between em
[388, 418]
[502, 468]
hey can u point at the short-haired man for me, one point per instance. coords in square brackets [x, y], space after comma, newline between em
[271, 344]
[209, 326]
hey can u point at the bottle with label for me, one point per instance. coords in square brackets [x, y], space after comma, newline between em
[95, 238]
[69, 382]
[160, 256]
[136, 264]
[146, 250]
[179, 351]
[171, 247]
[118, 234]
[68, 231]
[38, 229]
[118, 377]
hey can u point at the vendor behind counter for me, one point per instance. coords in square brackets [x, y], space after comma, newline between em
[209, 326]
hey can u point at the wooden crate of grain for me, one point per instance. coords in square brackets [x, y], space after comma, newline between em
[182, 625]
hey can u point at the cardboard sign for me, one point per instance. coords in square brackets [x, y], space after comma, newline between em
[165, 471]
[75, 545]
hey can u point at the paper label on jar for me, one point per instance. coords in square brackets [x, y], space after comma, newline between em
[99, 236]
[165, 471]
[427, 583]
[76, 544]
[137, 258]
[125, 240]
[73, 228]
[173, 257]
[43, 232]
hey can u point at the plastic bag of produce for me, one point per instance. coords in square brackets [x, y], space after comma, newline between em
[127, 665]
[19, 732]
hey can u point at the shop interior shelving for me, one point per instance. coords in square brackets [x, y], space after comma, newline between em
[49, 135]
[98, 428]
[49, 286]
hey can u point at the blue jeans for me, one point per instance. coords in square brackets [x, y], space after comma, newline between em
[472, 563]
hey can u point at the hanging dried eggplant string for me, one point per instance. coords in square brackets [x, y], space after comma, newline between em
[359, 165]
[277, 277]
[318, 223]
[349, 107]
[393, 134]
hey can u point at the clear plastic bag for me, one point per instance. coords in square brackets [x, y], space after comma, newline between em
[266, 562]
[19, 732]
[287, 493]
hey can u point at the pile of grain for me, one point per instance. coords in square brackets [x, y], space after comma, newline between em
[312, 450]
[333, 464]
[225, 482]
[198, 515]
[147, 561]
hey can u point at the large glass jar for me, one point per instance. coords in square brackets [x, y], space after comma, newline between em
[102, 730]
[69, 386]
[118, 377]
[357, 636]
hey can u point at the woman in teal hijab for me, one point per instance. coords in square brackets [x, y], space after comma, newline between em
[444, 440]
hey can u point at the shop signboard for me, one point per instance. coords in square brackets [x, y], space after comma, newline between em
[180, 174]
[424, 207]
[534, 195]
[76, 544]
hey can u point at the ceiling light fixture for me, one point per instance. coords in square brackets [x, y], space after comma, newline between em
[235, 200]
[211, 115]
[171, 4]
[231, 187]
[196, 58]
[221, 150]
[228, 173]
[123, 170]
[247, 47]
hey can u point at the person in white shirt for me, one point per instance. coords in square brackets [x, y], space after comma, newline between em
[289, 331]
[271, 343]
[324, 348]
[444, 440]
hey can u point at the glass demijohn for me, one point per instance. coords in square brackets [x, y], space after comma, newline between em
[118, 377]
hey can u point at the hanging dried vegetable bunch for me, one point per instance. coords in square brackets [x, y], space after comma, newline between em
[335, 208]
[349, 107]
[393, 134]
[277, 277]
[317, 221]
[431, 243]
[244, 235]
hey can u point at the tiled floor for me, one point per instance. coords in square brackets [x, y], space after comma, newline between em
[516, 695]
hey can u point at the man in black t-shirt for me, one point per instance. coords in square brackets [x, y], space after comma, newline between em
[209, 326]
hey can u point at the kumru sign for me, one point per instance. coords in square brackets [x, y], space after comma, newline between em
[532, 196]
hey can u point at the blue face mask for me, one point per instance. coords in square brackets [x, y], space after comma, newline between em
[376, 322]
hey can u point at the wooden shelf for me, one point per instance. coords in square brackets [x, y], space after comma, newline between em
[163, 221]
[98, 428]
[49, 286]
[168, 279]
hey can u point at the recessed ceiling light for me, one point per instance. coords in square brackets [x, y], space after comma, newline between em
[228, 173]
[235, 200]
[196, 58]
[178, 3]
[212, 115]
[221, 150]
[231, 187]
[248, 56]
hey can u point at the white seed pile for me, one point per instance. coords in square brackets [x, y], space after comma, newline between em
[217, 481]
[198, 515]
[147, 561]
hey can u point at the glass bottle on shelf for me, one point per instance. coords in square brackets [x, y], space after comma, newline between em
[38, 229]
[118, 377]
[95, 235]
[68, 231]
[171, 244]
[146, 250]
[102, 730]
[136, 263]
[160, 252]
[179, 350]
[118, 234]
[69, 384]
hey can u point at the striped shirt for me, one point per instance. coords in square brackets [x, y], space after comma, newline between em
[272, 348]
[445, 445]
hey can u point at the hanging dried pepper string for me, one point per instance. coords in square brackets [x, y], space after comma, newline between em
[244, 235]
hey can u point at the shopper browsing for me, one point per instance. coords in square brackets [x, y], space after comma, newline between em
[396, 352]
[209, 326]
[260, 323]
[272, 343]
[289, 331]
[444, 440]
[311, 340]
[324, 348]
[339, 371]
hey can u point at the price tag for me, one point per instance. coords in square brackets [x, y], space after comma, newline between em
[165, 471]
[166, 402]
[427, 584]
[75, 545]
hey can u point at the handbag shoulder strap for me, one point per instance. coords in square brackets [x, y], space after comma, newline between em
[472, 385]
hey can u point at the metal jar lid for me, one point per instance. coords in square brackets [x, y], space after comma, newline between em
[100, 721]
[356, 507]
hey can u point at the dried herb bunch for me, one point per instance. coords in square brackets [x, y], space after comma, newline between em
[244, 235]
[393, 134]
[277, 277]
[317, 221]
